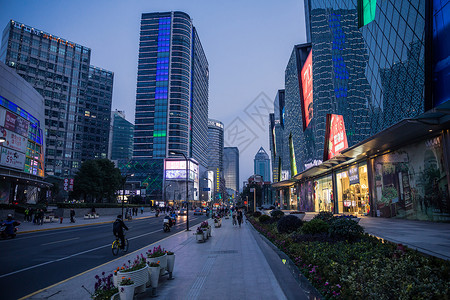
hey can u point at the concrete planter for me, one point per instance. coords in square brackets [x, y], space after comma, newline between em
[139, 277]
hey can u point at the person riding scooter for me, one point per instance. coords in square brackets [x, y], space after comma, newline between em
[10, 227]
[168, 222]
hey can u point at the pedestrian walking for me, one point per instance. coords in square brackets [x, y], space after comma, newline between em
[72, 215]
[27, 212]
[239, 217]
[233, 216]
[142, 210]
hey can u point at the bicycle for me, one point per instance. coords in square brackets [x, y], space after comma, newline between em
[116, 246]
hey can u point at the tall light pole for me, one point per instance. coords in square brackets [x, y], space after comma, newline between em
[164, 196]
[187, 188]
[123, 189]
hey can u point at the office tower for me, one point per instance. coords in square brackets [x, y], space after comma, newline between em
[121, 137]
[231, 169]
[261, 164]
[278, 146]
[77, 96]
[171, 100]
[172, 89]
[215, 152]
[21, 139]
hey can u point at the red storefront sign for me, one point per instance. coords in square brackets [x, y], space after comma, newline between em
[307, 85]
[335, 136]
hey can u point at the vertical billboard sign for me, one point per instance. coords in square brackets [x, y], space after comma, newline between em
[441, 52]
[335, 136]
[307, 86]
[366, 12]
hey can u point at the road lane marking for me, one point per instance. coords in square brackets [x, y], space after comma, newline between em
[60, 241]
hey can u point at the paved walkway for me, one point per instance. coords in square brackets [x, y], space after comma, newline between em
[233, 263]
[237, 262]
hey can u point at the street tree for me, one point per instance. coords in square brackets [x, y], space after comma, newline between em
[97, 180]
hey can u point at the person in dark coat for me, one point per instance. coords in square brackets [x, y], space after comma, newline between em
[72, 215]
[118, 227]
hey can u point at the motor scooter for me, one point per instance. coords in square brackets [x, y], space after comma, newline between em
[5, 235]
[168, 222]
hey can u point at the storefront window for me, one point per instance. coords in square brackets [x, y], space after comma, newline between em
[412, 183]
[323, 191]
[307, 196]
[353, 191]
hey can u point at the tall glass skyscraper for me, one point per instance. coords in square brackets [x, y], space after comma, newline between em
[261, 164]
[121, 137]
[77, 96]
[231, 168]
[172, 89]
[215, 151]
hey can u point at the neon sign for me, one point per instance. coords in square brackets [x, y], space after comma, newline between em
[307, 86]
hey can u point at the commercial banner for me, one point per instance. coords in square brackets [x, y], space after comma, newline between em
[335, 136]
[307, 85]
[15, 123]
[10, 121]
[13, 140]
[11, 158]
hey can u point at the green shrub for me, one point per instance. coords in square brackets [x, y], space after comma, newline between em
[345, 228]
[288, 224]
[257, 214]
[325, 216]
[276, 214]
[315, 226]
[264, 219]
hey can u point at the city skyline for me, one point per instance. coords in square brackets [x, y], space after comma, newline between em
[112, 32]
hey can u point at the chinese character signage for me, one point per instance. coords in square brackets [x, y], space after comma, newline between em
[13, 140]
[307, 85]
[335, 136]
[353, 175]
[11, 158]
[10, 121]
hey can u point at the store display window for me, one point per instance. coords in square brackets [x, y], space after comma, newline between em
[323, 190]
[353, 190]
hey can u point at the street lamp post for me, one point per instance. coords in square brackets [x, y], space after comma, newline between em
[187, 188]
[164, 196]
[123, 189]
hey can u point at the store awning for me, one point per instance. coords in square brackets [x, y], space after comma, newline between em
[401, 134]
[284, 183]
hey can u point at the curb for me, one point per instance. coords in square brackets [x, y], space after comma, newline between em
[74, 226]
[302, 281]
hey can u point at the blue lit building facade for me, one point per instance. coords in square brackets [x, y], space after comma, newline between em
[381, 65]
[172, 92]
[77, 96]
[261, 164]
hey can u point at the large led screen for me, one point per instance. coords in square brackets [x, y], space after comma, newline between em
[335, 136]
[307, 85]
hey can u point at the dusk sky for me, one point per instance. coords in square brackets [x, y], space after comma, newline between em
[247, 44]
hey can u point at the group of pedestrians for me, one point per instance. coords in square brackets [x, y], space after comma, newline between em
[237, 216]
[34, 215]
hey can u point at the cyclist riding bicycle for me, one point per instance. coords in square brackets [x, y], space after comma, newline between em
[118, 226]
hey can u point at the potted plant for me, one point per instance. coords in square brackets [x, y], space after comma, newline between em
[158, 255]
[136, 271]
[104, 287]
[170, 263]
[126, 289]
[199, 235]
[154, 270]
[204, 225]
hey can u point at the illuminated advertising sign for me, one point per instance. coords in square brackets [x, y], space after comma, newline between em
[441, 52]
[11, 158]
[13, 140]
[176, 169]
[307, 86]
[335, 136]
[10, 121]
[353, 175]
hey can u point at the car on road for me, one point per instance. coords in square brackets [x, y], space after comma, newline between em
[198, 211]
[182, 212]
[267, 207]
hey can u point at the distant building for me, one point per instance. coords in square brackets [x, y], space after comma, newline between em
[215, 152]
[121, 137]
[261, 164]
[231, 169]
[77, 96]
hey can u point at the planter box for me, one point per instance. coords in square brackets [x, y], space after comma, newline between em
[139, 277]
[199, 237]
[162, 262]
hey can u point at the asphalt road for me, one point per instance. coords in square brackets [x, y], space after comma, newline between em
[33, 261]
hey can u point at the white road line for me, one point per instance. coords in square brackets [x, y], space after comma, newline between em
[70, 256]
[60, 241]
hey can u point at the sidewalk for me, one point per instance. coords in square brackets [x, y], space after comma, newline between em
[233, 263]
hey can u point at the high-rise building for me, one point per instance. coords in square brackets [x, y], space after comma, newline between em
[261, 164]
[172, 89]
[280, 159]
[171, 97]
[215, 152]
[77, 96]
[231, 169]
[121, 137]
